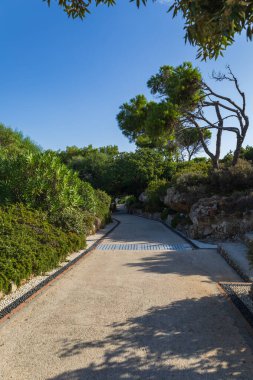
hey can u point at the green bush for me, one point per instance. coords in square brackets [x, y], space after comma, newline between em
[42, 182]
[166, 212]
[89, 197]
[103, 202]
[13, 142]
[130, 200]
[39, 180]
[189, 181]
[198, 165]
[30, 245]
[69, 219]
[232, 178]
[155, 192]
[180, 219]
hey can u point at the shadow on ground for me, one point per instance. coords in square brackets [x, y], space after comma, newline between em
[180, 341]
[206, 263]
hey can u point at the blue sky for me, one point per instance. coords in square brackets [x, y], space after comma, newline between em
[63, 80]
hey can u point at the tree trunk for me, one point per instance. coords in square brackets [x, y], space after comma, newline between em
[251, 291]
[215, 163]
[237, 150]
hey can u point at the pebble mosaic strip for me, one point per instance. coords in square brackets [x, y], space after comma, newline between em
[239, 295]
[144, 247]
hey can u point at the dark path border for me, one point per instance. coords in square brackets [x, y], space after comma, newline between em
[12, 306]
[240, 305]
[169, 227]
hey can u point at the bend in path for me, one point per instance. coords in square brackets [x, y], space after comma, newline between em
[131, 315]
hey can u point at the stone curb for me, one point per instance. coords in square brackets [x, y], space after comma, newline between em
[169, 227]
[9, 308]
[233, 264]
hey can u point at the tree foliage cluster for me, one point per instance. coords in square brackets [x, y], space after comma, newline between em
[209, 24]
[119, 173]
[46, 210]
[187, 113]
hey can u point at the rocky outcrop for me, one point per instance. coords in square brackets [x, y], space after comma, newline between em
[183, 201]
[221, 217]
[143, 198]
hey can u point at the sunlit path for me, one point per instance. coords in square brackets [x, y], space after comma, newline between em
[132, 314]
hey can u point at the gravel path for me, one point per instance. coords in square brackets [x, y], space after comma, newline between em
[11, 298]
[132, 315]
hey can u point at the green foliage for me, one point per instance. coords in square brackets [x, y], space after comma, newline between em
[13, 142]
[71, 219]
[103, 202]
[30, 245]
[166, 212]
[213, 24]
[155, 192]
[45, 209]
[191, 173]
[180, 219]
[133, 171]
[247, 153]
[39, 180]
[189, 142]
[88, 196]
[180, 85]
[119, 173]
[132, 203]
[232, 178]
[192, 180]
[160, 124]
[92, 164]
[210, 24]
[194, 166]
[132, 116]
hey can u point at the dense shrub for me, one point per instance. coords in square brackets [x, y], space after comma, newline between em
[190, 181]
[14, 142]
[247, 153]
[180, 219]
[198, 165]
[228, 179]
[70, 219]
[41, 181]
[38, 180]
[89, 197]
[166, 212]
[225, 180]
[30, 245]
[103, 202]
[130, 200]
[155, 192]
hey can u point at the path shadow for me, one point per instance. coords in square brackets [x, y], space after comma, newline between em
[205, 263]
[188, 339]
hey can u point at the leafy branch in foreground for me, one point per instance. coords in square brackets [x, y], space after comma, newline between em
[209, 24]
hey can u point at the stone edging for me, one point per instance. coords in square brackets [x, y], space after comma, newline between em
[169, 227]
[241, 306]
[233, 264]
[9, 308]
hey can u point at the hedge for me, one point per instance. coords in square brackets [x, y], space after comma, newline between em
[30, 245]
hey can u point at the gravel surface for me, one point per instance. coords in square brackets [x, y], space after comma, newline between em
[153, 315]
[35, 281]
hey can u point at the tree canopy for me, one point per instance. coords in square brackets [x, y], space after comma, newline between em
[209, 24]
[186, 101]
